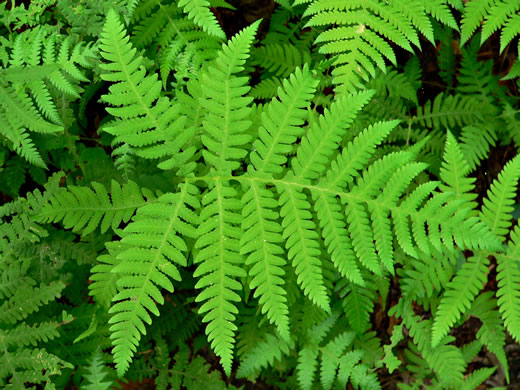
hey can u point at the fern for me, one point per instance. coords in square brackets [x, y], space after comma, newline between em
[83, 209]
[202, 16]
[497, 208]
[146, 265]
[508, 290]
[460, 292]
[358, 39]
[211, 240]
[493, 15]
[156, 127]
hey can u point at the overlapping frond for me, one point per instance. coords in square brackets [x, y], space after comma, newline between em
[183, 47]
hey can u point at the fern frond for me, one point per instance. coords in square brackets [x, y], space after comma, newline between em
[325, 136]
[492, 333]
[218, 266]
[178, 39]
[225, 124]
[496, 17]
[358, 303]
[360, 29]
[302, 243]
[82, 209]
[477, 377]
[154, 246]
[280, 59]
[474, 13]
[454, 171]
[281, 120]
[476, 143]
[459, 295]
[104, 282]
[96, 376]
[508, 278]
[498, 204]
[448, 111]
[262, 355]
[261, 241]
[146, 121]
[199, 12]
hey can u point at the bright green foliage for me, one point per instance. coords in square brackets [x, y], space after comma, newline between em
[508, 285]
[459, 294]
[82, 209]
[498, 205]
[454, 171]
[494, 15]
[96, 379]
[258, 212]
[198, 11]
[149, 262]
[360, 29]
[146, 122]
